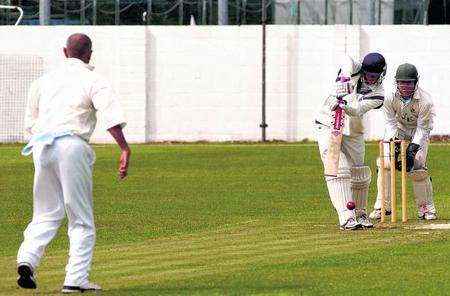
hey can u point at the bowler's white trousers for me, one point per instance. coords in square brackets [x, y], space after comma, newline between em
[62, 186]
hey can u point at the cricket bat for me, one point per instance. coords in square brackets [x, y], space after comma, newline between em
[334, 145]
[331, 163]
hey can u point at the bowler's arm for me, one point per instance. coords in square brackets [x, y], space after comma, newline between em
[117, 134]
[106, 102]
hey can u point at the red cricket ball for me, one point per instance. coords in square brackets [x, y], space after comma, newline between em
[351, 205]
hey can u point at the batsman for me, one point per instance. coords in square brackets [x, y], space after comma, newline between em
[358, 89]
[409, 114]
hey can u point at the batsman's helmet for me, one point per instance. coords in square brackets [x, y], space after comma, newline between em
[406, 72]
[374, 63]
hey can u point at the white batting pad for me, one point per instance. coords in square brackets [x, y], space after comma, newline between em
[361, 177]
[419, 175]
[339, 189]
[423, 191]
[387, 190]
[387, 161]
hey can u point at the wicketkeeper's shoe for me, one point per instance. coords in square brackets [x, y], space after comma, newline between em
[87, 287]
[351, 224]
[429, 216]
[364, 221]
[26, 279]
[376, 214]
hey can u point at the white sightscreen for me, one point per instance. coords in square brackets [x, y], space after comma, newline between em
[16, 74]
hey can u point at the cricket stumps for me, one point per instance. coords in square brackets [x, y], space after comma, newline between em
[392, 162]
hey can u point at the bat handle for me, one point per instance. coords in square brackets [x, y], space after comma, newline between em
[337, 120]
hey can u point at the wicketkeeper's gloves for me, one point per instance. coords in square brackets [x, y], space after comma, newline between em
[410, 155]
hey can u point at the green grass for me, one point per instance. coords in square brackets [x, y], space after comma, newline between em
[230, 219]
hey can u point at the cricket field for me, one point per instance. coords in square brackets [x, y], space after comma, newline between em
[231, 219]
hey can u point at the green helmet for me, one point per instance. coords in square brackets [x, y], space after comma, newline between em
[406, 72]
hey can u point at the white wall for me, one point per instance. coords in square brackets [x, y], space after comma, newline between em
[119, 55]
[427, 47]
[204, 83]
[302, 63]
[189, 83]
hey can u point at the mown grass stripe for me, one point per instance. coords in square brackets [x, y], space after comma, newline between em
[215, 257]
[195, 245]
[276, 248]
[227, 254]
[149, 274]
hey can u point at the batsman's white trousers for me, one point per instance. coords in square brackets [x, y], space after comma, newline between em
[352, 150]
[62, 186]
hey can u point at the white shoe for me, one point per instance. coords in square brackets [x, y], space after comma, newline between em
[364, 221]
[376, 214]
[429, 216]
[87, 287]
[351, 224]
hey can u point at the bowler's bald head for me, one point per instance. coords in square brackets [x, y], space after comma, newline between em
[79, 46]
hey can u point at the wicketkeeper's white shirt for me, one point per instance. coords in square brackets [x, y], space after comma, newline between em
[414, 118]
[69, 99]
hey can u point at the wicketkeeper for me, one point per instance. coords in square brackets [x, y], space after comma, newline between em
[409, 114]
[362, 92]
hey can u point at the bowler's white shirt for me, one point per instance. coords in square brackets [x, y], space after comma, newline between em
[69, 98]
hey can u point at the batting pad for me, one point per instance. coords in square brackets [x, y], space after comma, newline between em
[361, 177]
[423, 191]
[387, 190]
[339, 189]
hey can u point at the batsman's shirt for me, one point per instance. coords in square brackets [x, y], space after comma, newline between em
[360, 101]
[69, 99]
[414, 117]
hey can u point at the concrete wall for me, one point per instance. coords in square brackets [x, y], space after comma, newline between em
[428, 48]
[119, 54]
[204, 83]
[189, 83]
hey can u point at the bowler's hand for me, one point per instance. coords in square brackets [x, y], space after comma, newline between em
[123, 163]
[116, 132]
